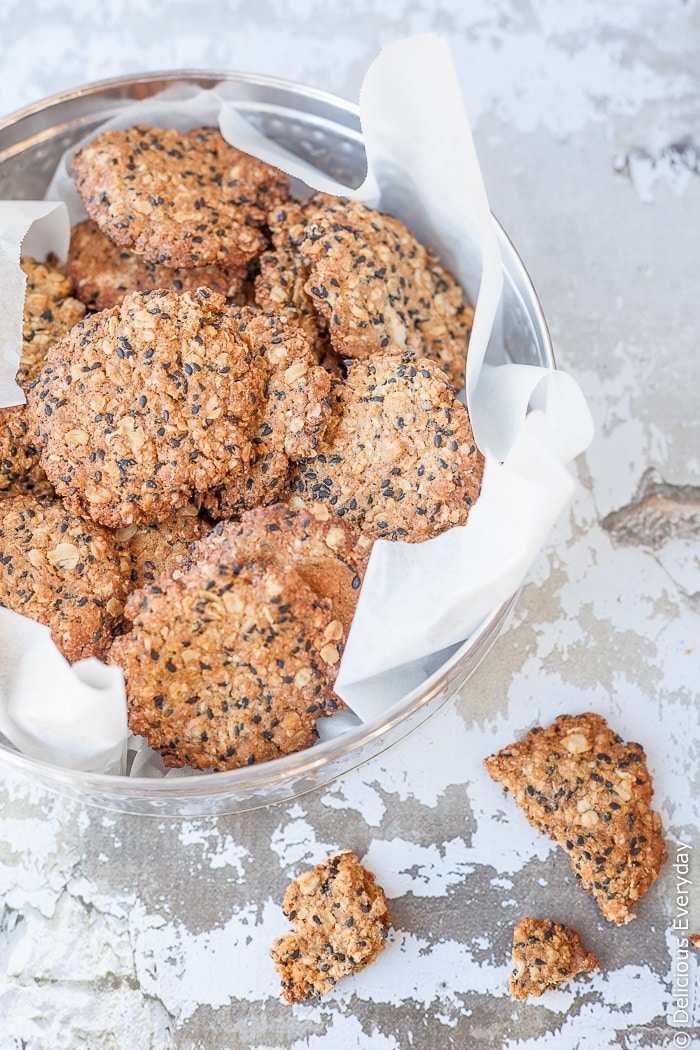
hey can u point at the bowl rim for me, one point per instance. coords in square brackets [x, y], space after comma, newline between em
[188, 73]
[308, 763]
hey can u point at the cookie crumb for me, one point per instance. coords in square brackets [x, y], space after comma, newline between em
[545, 955]
[340, 919]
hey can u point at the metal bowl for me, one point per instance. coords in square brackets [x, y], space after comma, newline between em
[324, 129]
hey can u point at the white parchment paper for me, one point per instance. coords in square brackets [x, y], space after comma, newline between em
[417, 599]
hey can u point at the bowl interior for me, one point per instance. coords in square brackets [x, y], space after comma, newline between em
[324, 130]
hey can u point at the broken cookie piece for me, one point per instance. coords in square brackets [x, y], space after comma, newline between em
[104, 274]
[578, 782]
[63, 571]
[20, 468]
[545, 954]
[49, 312]
[340, 919]
[293, 413]
[159, 548]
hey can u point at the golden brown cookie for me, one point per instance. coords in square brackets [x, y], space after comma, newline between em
[104, 273]
[398, 459]
[280, 285]
[578, 782]
[145, 406]
[694, 940]
[546, 954]
[292, 418]
[227, 665]
[330, 558]
[183, 199]
[20, 467]
[341, 921]
[49, 311]
[368, 280]
[62, 571]
[160, 547]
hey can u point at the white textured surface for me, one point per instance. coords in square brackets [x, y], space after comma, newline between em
[123, 932]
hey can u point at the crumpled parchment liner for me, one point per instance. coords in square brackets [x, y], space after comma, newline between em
[417, 600]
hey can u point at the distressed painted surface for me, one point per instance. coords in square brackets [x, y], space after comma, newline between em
[120, 932]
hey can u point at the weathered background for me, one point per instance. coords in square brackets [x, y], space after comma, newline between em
[120, 932]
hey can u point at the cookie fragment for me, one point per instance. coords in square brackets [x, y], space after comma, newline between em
[694, 940]
[104, 273]
[20, 467]
[50, 310]
[546, 954]
[369, 281]
[578, 782]
[293, 415]
[398, 459]
[62, 571]
[160, 547]
[226, 664]
[280, 285]
[183, 199]
[341, 921]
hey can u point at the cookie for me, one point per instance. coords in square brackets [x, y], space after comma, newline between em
[546, 954]
[398, 459]
[20, 467]
[50, 310]
[103, 273]
[143, 407]
[578, 782]
[280, 285]
[329, 557]
[694, 940]
[183, 199]
[371, 283]
[62, 571]
[160, 547]
[227, 665]
[292, 418]
[341, 921]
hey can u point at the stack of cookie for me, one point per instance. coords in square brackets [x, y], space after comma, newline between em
[219, 358]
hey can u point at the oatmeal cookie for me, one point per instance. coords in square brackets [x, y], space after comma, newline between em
[20, 467]
[369, 282]
[578, 782]
[184, 199]
[341, 921]
[330, 558]
[398, 459]
[292, 418]
[160, 547]
[227, 665]
[280, 285]
[546, 954]
[103, 273]
[49, 311]
[64, 572]
[145, 406]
